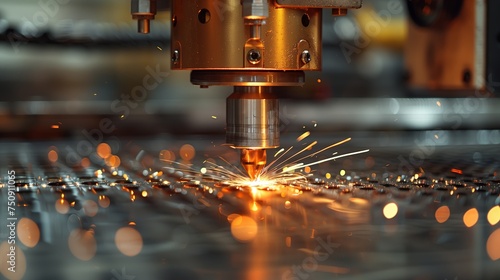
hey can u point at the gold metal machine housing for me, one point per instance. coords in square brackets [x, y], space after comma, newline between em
[252, 45]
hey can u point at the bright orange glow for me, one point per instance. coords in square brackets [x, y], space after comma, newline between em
[53, 156]
[303, 136]
[390, 210]
[244, 228]
[20, 262]
[82, 244]
[494, 215]
[90, 208]
[62, 206]
[231, 217]
[54, 126]
[103, 150]
[104, 201]
[471, 217]
[254, 207]
[288, 204]
[113, 161]
[187, 152]
[128, 241]
[493, 245]
[307, 169]
[442, 214]
[456, 171]
[144, 194]
[28, 232]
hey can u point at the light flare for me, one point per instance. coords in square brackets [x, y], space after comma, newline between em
[282, 171]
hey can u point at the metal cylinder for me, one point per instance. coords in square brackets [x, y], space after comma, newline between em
[143, 11]
[252, 115]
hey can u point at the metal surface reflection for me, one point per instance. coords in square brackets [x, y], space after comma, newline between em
[163, 218]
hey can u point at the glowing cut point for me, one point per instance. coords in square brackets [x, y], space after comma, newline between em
[254, 207]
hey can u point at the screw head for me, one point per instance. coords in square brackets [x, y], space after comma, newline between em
[176, 55]
[254, 56]
[306, 57]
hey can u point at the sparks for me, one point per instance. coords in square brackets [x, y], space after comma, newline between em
[282, 171]
[303, 136]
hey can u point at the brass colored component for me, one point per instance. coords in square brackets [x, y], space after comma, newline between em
[143, 11]
[253, 45]
[224, 41]
[253, 161]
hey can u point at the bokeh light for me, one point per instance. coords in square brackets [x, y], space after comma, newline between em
[53, 156]
[231, 217]
[167, 155]
[85, 162]
[244, 228]
[28, 232]
[62, 206]
[470, 217]
[442, 214]
[113, 161]
[187, 152]
[82, 244]
[128, 241]
[493, 245]
[103, 150]
[288, 204]
[494, 215]
[390, 210]
[90, 208]
[104, 201]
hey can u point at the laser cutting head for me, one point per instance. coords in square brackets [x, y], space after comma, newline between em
[253, 45]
